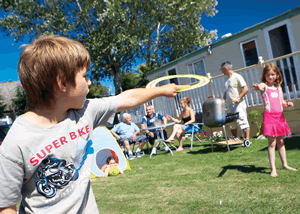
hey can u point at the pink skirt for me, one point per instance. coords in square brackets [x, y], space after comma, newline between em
[275, 125]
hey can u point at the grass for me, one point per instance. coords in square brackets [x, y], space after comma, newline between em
[201, 181]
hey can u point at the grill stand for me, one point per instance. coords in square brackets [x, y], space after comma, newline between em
[226, 139]
[225, 135]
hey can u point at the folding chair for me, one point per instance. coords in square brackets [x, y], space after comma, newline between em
[130, 143]
[198, 124]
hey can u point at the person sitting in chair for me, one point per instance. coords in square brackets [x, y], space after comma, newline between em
[126, 132]
[188, 117]
[149, 120]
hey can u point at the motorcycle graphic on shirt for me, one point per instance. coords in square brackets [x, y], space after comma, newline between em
[54, 174]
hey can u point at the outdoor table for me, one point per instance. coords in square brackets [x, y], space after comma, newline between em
[160, 139]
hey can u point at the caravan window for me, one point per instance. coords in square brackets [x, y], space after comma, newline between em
[197, 68]
[249, 52]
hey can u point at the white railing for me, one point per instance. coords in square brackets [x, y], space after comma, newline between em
[290, 69]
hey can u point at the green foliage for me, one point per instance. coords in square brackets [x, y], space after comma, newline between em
[130, 80]
[97, 90]
[2, 106]
[256, 116]
[116, 32]
[19, 102]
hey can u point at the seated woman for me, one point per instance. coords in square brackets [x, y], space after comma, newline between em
[111, 161]
[188, 118]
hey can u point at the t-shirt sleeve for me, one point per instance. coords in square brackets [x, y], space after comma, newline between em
[135, 127]
[11, 178]
[144, 121]
[241, 80]
[103, 110]
[116, 128]
[160, 117]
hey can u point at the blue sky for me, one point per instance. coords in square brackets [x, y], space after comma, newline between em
[233, 17]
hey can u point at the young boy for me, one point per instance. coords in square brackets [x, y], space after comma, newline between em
[46, 157]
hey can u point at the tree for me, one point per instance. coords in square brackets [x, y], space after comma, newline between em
[97, 90]
[116, 32]
[2, 106]
[19, 103]
[134, 79]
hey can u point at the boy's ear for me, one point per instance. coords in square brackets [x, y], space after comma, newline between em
[62, 86]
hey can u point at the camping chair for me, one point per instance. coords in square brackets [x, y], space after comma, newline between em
[131, 143]
[199, 124]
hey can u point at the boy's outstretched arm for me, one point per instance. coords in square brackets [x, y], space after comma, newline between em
[136, 97]
[9, 210]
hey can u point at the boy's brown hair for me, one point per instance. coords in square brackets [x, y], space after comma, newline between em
[45, 59]
[276, 69]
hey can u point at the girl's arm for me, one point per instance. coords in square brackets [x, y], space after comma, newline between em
[135, 97]
[103, 168]
[106, 171]
[120, 170]
[192, 115]
[176, 120]
[259, 87]
[284, 103]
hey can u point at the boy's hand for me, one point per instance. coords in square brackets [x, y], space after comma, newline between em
[170, 90]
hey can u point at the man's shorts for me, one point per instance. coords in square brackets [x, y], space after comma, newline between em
[139, 139]
[241, 108]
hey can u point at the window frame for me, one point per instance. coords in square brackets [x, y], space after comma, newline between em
[242, 50]
[193, 66]
[176, 71]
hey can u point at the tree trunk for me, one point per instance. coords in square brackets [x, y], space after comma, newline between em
[116, 73]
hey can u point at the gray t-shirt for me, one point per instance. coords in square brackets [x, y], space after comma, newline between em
[49, 167]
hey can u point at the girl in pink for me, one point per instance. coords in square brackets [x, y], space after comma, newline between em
[274, 123]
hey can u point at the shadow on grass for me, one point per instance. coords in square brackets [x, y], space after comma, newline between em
[216, 148]
[243, 168]
[291, 143]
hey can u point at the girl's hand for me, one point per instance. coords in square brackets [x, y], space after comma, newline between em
[257, 87]
[168, 117]
[288, 104]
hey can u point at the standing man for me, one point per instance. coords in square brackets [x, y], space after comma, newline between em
[149, 121]
[126, 132]
[235, 90]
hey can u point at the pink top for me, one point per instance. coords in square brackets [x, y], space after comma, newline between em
[272, 100]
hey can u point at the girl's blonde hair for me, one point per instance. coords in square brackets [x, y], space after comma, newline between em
[187, 100]
[276, 69]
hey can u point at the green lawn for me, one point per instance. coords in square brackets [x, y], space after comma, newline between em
[202, 181]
